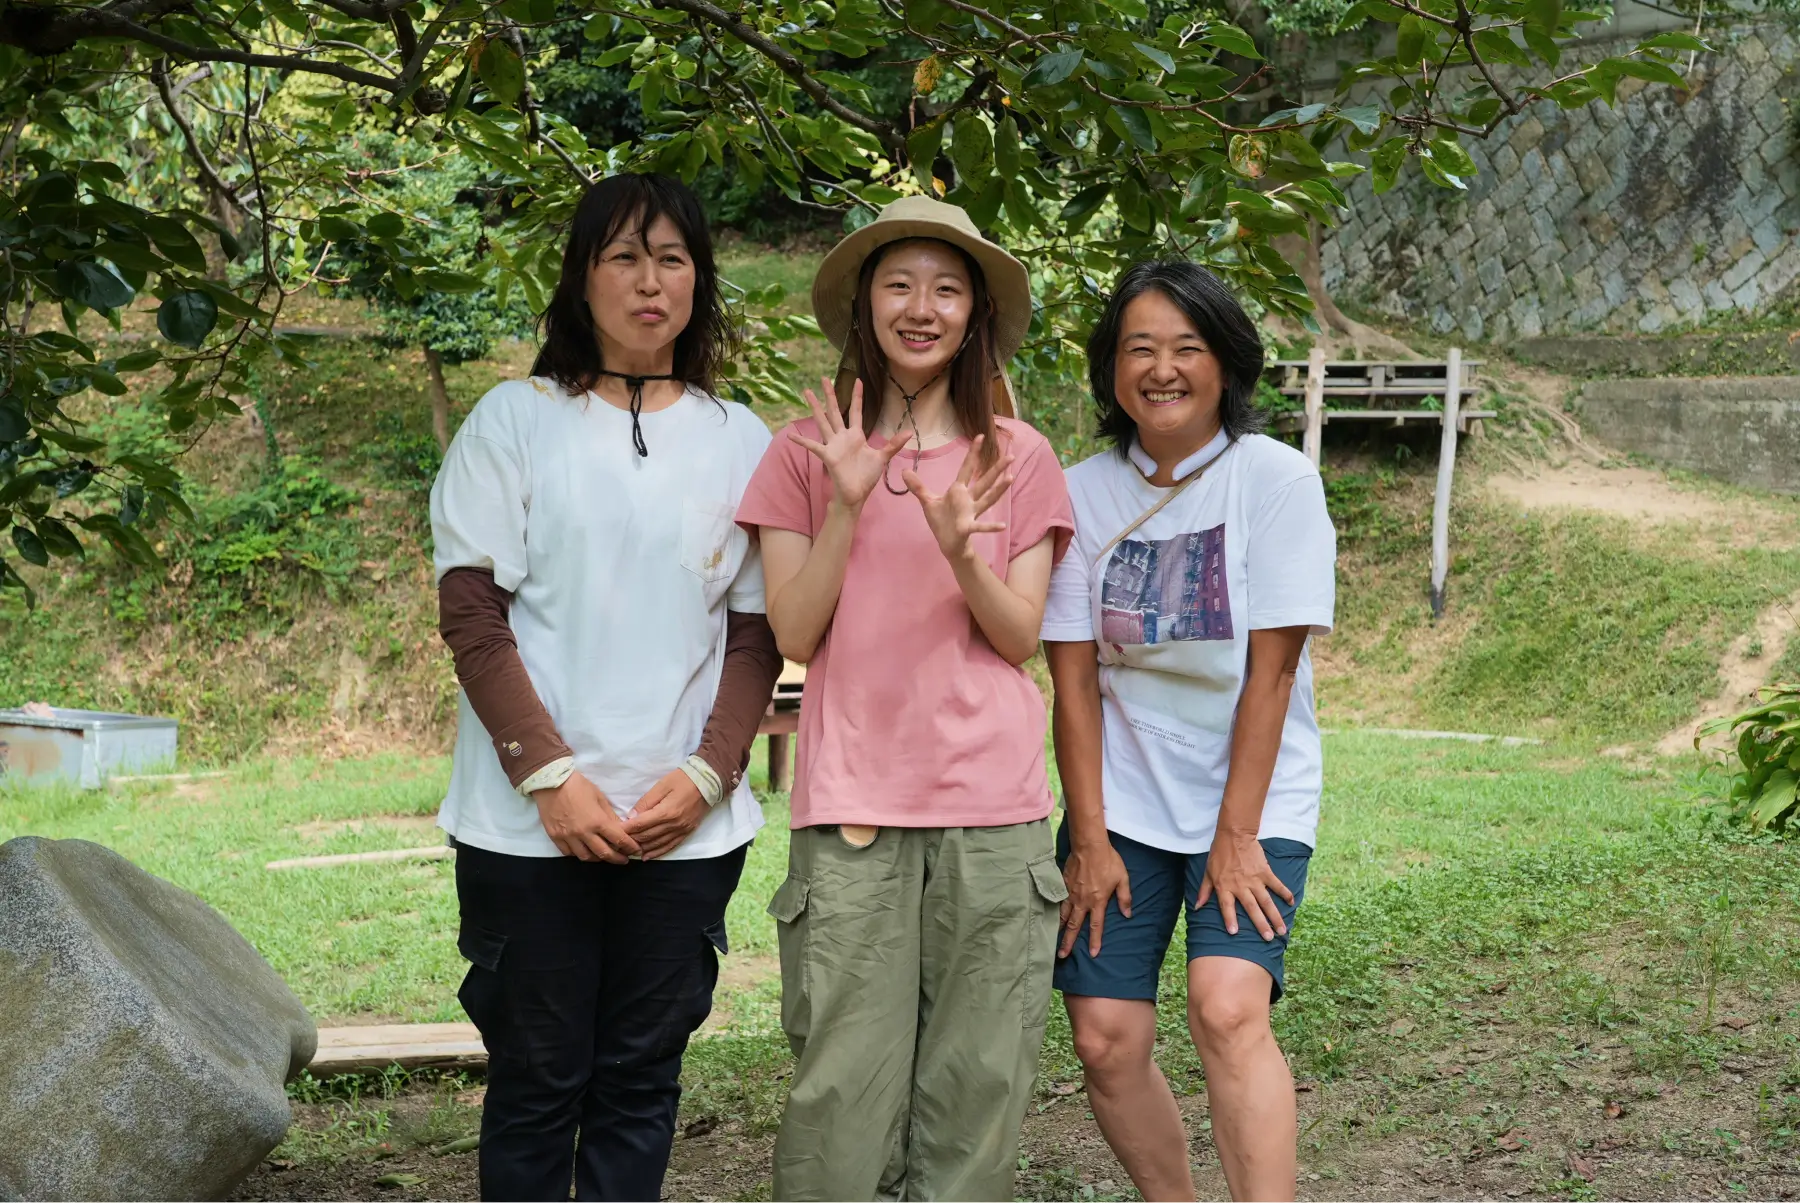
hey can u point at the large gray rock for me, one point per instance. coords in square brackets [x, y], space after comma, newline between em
[144, 1044]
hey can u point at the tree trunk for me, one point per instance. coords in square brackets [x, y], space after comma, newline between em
[440, 399]
[1302, 251]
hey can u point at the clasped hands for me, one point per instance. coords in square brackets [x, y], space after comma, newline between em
[580, 820]
[855, 468]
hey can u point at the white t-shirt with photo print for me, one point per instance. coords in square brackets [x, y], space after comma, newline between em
[1249, 546]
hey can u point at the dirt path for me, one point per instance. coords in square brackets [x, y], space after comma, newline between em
[1748, 663]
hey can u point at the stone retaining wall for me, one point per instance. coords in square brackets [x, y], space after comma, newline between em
[1670, 208]
[1743, 429]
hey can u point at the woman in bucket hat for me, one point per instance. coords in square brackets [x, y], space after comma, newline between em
[918, 919]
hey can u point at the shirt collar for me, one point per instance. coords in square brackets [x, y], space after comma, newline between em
[1204, 456]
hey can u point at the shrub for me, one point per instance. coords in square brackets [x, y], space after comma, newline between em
[1765, 790]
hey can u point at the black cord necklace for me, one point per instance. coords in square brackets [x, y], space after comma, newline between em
[635, 384]
[907, 399]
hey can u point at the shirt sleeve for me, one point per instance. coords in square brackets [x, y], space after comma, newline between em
[1293, 559]
[780, 491]
[478, 506]
[746, 595]
[1069, 608]
[1040, 498]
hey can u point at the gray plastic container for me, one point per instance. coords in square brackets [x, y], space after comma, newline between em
[83, 747]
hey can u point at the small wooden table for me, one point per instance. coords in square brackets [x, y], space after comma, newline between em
[781, 721]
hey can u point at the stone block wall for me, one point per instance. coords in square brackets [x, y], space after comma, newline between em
[1672, 208]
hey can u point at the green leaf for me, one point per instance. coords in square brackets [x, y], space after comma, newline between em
[1543, 15]
[1081, 206]
[92, 285]
[1649, 69]
[1006, 147]
[1386, 160]
[1134, 124]
[174, 240]
[1052, 69]
[1543, 45]
[130, 256]
[922, 150]
[398, 1180]
[137, 361]
[187, 318]
[1453, 159]
[1675, 40]
[972, 147]
[1777, 794]
[58, 540]
[1232, 40]
[1365, 117]
[501, 70]
[31, 548]
[1409, 47]
[14, 425]
[1497, 46]
[1159, 57]
[76, 443]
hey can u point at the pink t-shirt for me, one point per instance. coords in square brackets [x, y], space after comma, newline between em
[910, 717]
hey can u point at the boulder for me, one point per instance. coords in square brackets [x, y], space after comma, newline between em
[144, 1044]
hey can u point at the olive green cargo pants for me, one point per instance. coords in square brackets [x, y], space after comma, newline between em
[915, 979]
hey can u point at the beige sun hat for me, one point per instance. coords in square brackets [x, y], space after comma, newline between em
[1008, 283]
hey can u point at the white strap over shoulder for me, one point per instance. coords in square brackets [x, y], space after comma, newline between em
[1175, 491]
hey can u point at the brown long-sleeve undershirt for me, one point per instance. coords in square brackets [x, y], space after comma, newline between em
[472, 618]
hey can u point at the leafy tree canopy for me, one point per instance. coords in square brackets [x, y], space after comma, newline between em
[214, 158]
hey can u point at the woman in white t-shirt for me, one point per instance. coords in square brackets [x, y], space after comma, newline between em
[606, 616]
[1176, 631]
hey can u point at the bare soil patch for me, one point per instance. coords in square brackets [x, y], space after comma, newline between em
[1747, 665]
[1637, 494]
[323, 829]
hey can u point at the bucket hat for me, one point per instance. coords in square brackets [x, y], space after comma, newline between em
[1008, 283]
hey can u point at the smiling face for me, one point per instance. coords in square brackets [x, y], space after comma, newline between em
[920, 300]
[1166, 378]
[640, 291]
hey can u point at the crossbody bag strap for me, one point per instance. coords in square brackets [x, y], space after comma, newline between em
[1179, 487]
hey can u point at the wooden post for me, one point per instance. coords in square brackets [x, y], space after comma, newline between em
[1313, 441]
[1440, 510]
[779, 761]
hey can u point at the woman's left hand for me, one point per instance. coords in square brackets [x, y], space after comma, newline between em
[955, 514]
[1239, 873]
[666, 815]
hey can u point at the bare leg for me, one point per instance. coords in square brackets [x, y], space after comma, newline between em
[1247, 1078]
[1114, 1038]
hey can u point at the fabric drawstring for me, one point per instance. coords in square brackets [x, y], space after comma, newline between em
[635, 385]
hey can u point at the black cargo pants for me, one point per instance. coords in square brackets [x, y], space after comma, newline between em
[586, 980]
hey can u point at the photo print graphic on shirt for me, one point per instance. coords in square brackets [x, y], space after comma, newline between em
[1166, 590]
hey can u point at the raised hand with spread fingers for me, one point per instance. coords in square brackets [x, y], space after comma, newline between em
[955, 514]
[855, 468]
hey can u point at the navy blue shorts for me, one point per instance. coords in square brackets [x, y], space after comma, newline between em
[1163, 886]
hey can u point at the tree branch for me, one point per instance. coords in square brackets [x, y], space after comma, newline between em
[159, 75]
[791, 67]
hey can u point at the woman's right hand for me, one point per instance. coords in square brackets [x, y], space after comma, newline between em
[580, 821]
[1093, 874]
[855, 467]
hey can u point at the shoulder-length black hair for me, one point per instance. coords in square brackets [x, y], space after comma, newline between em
[630, 204]
[971, 373]
[1219, 319]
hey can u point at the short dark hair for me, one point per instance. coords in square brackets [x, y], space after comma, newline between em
[1216, 314]
[570, 354]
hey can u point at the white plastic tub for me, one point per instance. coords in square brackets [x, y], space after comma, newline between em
[83, 747]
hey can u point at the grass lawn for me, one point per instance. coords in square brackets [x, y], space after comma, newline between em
[1496, 945]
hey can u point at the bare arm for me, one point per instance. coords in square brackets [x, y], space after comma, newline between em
[802, 575]
[1094, 872]
[803, 578]
[1237, 870]
[1009, 612]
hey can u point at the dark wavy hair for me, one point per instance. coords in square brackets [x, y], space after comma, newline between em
[1216, 314]
[570, 354]
[971, 373]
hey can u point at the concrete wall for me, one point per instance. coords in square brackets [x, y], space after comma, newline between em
[1744, 429]
[1674, 207]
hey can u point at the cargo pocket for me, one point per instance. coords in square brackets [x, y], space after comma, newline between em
[788, 908]
[480, 992]
[706, 531]
[1048, 892]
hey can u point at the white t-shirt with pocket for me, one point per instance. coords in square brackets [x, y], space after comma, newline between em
[621, 568]
[1249, 546]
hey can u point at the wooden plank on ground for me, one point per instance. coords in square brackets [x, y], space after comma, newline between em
[435, 852]
[408, 1045]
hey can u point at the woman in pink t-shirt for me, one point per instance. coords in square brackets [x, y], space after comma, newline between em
[918, 921]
